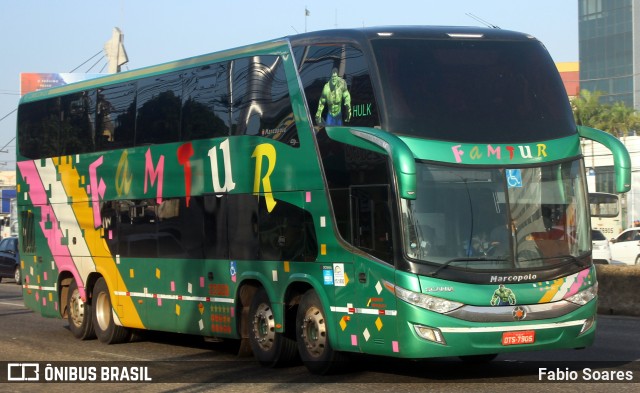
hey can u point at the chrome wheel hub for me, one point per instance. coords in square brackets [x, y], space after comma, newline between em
[263, 326]
[314, 332]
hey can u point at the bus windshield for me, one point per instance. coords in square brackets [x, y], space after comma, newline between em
[487, 218]
[604, 205]
[472, 90]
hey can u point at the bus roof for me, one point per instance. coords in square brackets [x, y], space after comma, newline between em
[429, 32]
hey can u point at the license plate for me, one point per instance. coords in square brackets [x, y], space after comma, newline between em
[519, 338]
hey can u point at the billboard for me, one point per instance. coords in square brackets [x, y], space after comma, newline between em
[34, 81]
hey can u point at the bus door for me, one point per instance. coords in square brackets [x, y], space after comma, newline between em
[372, 233]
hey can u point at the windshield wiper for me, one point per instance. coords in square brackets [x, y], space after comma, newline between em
[466, 259]
[572, 258]
[563, 257]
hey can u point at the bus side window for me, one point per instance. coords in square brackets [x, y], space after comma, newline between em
[205, 102]
[115, 116]
[215, 227]
[371, 226]
[158, 104]
[260, 99]
[359, 183]
[242, 224]
[58, 126]
[316, 65]
[77, 118]
[286, 232]
[39, 129]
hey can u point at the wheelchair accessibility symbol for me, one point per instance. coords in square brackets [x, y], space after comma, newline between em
[514, 178]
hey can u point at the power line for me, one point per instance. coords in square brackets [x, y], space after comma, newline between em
[86, 61]
[96, 63]
[479, 19]
[2, 148]
[9, 92]
[8, 114]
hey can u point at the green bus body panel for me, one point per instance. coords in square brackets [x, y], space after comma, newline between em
[178, 295]
[531, 292]
[467, 338]
[621, 157]
[63, 195]
[495, 154]
[155, 171]
[380, 141]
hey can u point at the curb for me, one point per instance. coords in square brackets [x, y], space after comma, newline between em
[618, 289]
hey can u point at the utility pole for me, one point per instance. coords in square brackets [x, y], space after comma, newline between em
[306, 15]
[114, 51]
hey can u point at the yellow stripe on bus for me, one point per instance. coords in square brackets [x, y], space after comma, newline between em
[95, 242]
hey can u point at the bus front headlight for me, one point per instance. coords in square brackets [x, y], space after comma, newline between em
[427, 302]
[584, 297]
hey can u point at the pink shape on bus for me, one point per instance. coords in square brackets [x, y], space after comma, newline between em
[153, 174]
[577, 285]
[38, 195]
[97, 189]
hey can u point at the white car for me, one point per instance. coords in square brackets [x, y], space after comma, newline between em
[626, 247]
[601, 251]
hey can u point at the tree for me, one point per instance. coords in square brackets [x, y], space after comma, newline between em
[587, 108]
[616, 119]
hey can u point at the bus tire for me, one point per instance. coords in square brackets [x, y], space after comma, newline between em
[106, 329]
[270, 348]
[315, 349]
[79, 314]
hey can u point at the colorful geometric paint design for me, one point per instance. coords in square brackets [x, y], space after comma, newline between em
[564, 287]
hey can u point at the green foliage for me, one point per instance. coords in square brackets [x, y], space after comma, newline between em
[616, 119]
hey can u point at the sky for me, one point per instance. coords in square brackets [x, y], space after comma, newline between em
[59, 36]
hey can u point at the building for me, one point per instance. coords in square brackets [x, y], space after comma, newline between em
[570, 74]
[609, 43]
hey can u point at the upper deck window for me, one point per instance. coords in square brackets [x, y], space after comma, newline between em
[472, 90]
[158, 109]
[260, 102]
[337, 85]
[246, 96]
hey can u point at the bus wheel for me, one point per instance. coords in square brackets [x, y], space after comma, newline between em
[313, 339]
[79, 314]
[106, 329]
[270, 348]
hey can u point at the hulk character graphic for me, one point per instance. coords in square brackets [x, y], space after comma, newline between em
[335, 95]
[503, 297]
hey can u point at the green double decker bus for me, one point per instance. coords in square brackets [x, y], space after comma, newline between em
[410, 192]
